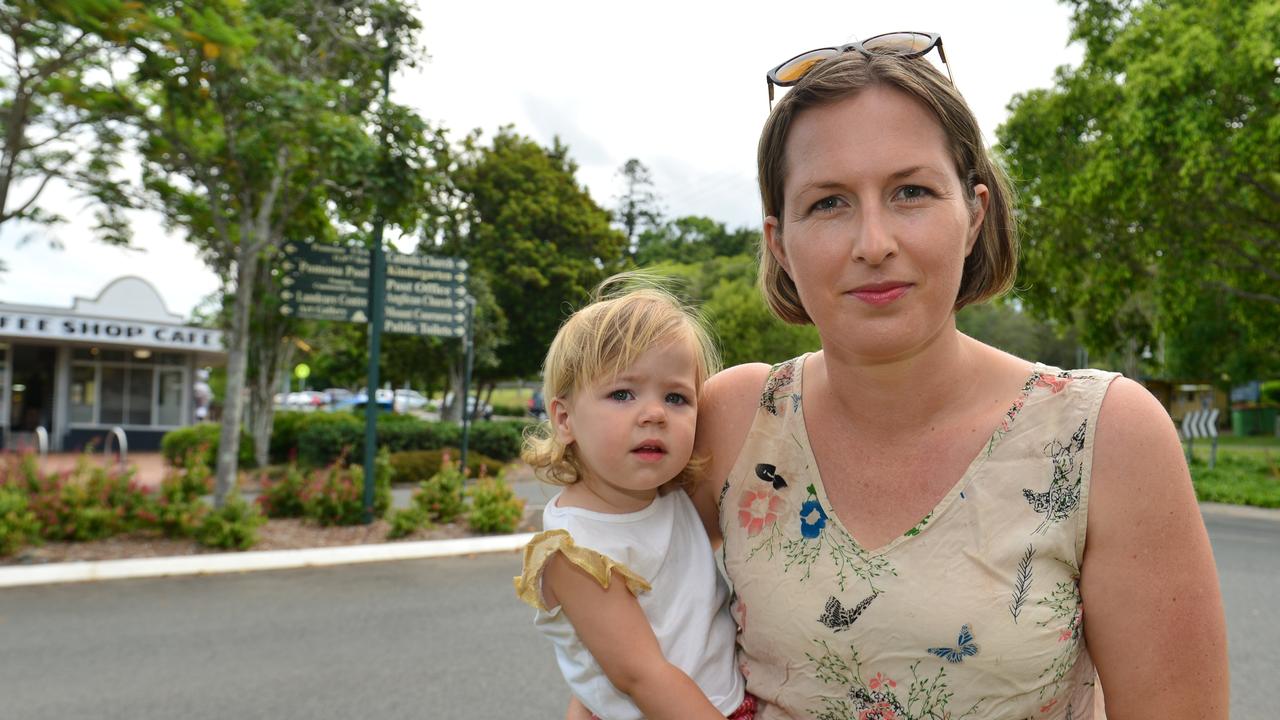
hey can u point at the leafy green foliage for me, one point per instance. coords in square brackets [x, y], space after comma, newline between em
[533, 236]
[494, 507]
[1006, 326]
[414, 466]
[693, 239]
[88, 503]
[335, 495]
[1150, 200]
[200, 441]
[18, 524]
[1239, 478]
[406, 521]
[234, 526]
[440, 497]
[282, 497]
[178, 510]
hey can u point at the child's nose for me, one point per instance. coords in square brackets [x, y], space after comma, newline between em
[653, 411]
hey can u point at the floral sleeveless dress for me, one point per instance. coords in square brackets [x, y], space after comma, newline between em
[973, 613]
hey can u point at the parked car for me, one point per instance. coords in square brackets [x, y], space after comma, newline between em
[337, 395]
[406, 400]
[357, 402]
[306, 400]
[486, 410]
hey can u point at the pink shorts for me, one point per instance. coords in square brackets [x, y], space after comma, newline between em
[745, 711]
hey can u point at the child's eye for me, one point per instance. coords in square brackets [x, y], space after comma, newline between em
[677, 399]
[621, 395]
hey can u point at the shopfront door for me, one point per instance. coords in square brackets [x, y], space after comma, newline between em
[30, 394]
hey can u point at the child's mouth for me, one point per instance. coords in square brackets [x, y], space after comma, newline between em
[649, 452]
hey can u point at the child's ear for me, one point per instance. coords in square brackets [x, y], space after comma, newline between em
[558, 412]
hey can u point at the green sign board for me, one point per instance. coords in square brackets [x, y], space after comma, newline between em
[425, 294]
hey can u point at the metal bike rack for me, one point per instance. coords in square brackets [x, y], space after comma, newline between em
[42, 442]
[122, 444]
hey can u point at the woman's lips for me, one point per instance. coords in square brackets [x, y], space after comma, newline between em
[881, 294]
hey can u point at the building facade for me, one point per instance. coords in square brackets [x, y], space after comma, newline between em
[120, 360]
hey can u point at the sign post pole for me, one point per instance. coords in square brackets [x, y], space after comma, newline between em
[470, 342]
[377, 298]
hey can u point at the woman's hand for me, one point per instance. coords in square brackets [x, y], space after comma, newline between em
[1153, 616]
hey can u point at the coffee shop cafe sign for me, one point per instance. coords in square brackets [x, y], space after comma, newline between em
[128, 313]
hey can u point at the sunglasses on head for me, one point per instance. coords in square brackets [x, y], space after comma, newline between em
[897, 44]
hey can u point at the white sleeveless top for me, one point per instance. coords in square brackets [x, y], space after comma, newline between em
[663, 554]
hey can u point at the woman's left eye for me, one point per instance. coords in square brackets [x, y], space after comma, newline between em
[677, 399]
[914, 192]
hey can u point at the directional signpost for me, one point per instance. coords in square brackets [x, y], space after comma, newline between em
[410, 294]
[424, 294]
[1201, 424]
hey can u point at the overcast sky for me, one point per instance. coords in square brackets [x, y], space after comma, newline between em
[678, 85]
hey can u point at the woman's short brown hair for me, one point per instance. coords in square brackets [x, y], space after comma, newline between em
[990, 269]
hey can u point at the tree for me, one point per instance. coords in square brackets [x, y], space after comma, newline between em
[693, 238]
[515, 210]
[1148, 182]
[638, 206]
[53, 125]
[256, 123]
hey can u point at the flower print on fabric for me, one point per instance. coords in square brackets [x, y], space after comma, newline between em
[881, 697]
[1055, 384]
[757, 510]
[1067, 610]
[812, 517]
[818, 535]
[780, 376]
[1061, 499]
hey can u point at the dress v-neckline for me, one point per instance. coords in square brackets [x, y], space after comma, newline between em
[947, 500]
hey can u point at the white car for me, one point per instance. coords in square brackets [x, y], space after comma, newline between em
[407, 399]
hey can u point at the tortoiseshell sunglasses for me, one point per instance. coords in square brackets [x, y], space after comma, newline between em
[901, 44]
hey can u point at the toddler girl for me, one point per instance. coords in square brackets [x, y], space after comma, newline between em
[623, 576]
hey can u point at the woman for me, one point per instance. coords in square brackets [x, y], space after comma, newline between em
[915, 522]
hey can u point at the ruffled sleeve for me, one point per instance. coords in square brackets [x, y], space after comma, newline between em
[545, 544]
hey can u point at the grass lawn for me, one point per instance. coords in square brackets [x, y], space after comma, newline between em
[1240, 477]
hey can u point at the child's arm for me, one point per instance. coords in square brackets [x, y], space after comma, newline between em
[577, 711]
[618, 635]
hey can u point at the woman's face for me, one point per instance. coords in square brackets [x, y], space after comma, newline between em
[876, 224]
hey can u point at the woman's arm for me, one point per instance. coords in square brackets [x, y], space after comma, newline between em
[1153, 615]
[725, 411]
[616, 632]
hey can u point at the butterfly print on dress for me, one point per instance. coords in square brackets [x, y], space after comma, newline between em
[837, 617]
[965, 647]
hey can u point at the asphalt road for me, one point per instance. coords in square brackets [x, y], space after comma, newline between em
[418, 639]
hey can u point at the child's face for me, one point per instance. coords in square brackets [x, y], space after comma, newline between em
[634, 432]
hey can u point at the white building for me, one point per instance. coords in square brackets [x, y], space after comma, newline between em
[119, 360]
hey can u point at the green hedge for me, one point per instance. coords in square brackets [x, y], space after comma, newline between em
[177, 443]
[414, 466]
[321, 438]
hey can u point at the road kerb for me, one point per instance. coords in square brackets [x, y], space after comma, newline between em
[208, 564]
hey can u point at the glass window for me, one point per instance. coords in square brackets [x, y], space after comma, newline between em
[139, 404]
[112, 392]
[111, 355]
[169, 398]
[84, 393]
[171, 359]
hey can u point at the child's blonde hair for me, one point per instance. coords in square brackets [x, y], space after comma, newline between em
[629, 314]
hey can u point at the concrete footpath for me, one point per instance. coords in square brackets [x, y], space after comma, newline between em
[207, 564]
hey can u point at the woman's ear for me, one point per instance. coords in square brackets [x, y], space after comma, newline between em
[773, 241]
[561, 422]
[982, 198]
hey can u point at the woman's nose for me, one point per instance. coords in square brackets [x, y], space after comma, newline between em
[873, 240]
